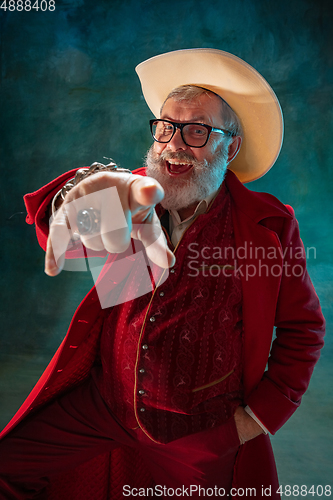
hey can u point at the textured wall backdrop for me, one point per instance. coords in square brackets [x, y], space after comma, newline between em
[69, 96]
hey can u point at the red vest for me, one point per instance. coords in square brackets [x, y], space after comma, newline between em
[172, 359]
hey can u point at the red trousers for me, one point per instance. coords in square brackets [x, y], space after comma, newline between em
[78, 426]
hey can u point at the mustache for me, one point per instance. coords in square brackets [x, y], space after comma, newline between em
[181, 156]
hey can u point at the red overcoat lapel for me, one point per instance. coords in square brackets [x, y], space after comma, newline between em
[260, 288]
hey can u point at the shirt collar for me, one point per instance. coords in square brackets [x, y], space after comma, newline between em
[201, 208]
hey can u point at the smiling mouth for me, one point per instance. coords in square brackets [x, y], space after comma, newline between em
[178, 168]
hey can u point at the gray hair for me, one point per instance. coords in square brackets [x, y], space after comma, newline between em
[231, 121]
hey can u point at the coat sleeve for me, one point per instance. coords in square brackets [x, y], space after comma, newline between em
[300, 330]
[38, 204]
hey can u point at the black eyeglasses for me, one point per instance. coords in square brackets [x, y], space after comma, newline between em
[194, 135]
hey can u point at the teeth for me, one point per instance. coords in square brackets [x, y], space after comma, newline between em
[177, 163]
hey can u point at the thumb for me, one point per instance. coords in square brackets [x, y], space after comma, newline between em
[57, 243]
[145, 192]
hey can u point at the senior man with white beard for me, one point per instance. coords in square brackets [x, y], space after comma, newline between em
[198, 172]
[178, 374]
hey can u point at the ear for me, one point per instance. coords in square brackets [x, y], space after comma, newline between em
[234, 147]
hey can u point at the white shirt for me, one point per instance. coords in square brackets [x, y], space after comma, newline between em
[177, 226]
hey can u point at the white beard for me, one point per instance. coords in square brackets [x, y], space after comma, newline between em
[180, 193]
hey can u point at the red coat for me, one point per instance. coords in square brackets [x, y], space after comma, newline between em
[287, 301]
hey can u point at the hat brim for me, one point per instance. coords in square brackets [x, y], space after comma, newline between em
[240, 85]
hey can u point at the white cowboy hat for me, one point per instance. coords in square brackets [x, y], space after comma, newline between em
[240, 85]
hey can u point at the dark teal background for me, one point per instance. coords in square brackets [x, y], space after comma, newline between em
[69, 96]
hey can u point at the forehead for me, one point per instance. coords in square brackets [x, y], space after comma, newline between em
[205, 108]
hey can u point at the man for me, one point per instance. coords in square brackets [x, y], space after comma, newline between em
[177, 374]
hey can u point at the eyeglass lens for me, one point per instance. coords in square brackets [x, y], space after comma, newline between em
[193, 134]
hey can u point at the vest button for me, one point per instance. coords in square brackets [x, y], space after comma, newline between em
[142, 370]
[142, 409]
[172, 271]
[141, 392]
[161, 294]
[152, 319]
[145, 347]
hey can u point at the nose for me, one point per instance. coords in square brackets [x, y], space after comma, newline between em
[176, 143]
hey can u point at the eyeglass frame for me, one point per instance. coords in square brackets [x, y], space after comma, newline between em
[180, 126]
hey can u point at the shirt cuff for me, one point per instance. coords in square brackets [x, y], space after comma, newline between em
[250, 412]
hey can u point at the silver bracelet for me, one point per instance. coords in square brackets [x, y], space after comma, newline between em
[83, 173]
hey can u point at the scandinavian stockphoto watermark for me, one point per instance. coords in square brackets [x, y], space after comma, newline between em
[129, 269]
[248, 261]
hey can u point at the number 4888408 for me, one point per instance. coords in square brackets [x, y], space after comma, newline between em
[27, 5]
[303, 490]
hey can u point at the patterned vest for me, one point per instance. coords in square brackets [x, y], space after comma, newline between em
[172, 359]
